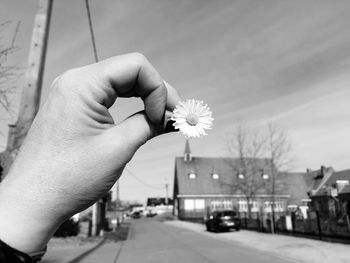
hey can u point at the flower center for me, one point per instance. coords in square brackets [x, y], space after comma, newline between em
[192, 119]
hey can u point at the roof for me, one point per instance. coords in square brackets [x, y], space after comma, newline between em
[331, 180]
[294, 184]
[317, 178]
[346, 190]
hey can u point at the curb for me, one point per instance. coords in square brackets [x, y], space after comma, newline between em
[86, 253]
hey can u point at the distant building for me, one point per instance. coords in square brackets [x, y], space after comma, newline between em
[157, 201]
[158, 205]
[204, 184]
[330, 192]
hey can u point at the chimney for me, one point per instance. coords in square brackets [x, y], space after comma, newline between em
[187, 152]
[322, 170]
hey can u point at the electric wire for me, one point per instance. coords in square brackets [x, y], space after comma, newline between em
[96, 60]
[91, 30]
[142, 182]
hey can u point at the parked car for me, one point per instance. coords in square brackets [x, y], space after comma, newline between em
[150, 213]
[223, 221]
[136, 214]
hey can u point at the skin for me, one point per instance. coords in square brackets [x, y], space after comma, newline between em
[74, 152]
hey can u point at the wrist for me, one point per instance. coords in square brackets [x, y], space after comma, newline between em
[22, 226]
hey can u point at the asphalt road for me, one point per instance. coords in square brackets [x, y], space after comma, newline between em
[152, 241]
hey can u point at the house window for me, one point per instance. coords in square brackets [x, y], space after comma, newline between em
[278, 206]
[221, 205]
[243, 206]
[192, 175]
[215, 176]
[194, 204]
[227, 204]
[255, 206]
[189, 204]
[199, 204]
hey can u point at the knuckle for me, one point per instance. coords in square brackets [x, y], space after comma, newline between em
[67, 80]
[139, 58]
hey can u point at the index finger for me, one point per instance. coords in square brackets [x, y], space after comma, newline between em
[132, 75]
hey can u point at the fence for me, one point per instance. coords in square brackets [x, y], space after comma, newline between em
[330, 229]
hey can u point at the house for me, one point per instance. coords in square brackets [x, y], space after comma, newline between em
[331, 192]
[205, 184]
[344, 198]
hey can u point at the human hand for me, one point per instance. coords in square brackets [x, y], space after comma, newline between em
[74, 152]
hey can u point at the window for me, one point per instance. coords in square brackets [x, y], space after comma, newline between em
[192, 175]
[240, 176]
[227, 204]
[189, 204]
[278, 206]
[221, 204]
[242, 206]
[254, 206]
[194, 204]
[199, 204]
[215, 176]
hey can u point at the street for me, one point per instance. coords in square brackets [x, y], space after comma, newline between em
[152, 241]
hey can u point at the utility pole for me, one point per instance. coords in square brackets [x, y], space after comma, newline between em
[166, 194]
[117, 201]
[166, 197]
[31, 93]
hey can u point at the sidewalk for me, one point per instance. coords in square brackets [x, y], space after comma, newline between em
[91, 250]
[63, 250]
[299, 249]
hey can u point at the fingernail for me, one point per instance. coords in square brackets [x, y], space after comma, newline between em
[169, 127]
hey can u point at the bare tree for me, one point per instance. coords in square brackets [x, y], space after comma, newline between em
[261, 155]
[8, 73]
[247, 146]
[278, 152]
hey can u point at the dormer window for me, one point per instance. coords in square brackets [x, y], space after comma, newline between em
[215, 176]
[265, 176]
[192, 175]
[240, 176]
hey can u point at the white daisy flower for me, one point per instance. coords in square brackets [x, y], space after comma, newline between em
[192, 118]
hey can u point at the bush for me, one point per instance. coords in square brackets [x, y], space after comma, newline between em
[68, 228]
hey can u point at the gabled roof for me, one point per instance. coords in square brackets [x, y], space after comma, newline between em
[203, 183]
[287, 184]
[317, 178]
[346, 190]
[331, 180]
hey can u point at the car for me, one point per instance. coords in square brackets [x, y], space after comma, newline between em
[136, 215]
[223, 221]
[151, 213]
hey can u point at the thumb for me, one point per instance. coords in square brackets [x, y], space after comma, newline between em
[135, 131]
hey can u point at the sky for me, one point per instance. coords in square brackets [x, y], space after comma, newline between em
[251, 61]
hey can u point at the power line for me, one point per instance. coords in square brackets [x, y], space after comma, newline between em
[142, 182]
[91, 30]
[96, 59]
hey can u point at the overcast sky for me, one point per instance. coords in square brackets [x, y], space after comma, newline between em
[251, 61]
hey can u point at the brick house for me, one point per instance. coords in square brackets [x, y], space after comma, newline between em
[204, 184]
[331, 195]
[344, 198]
